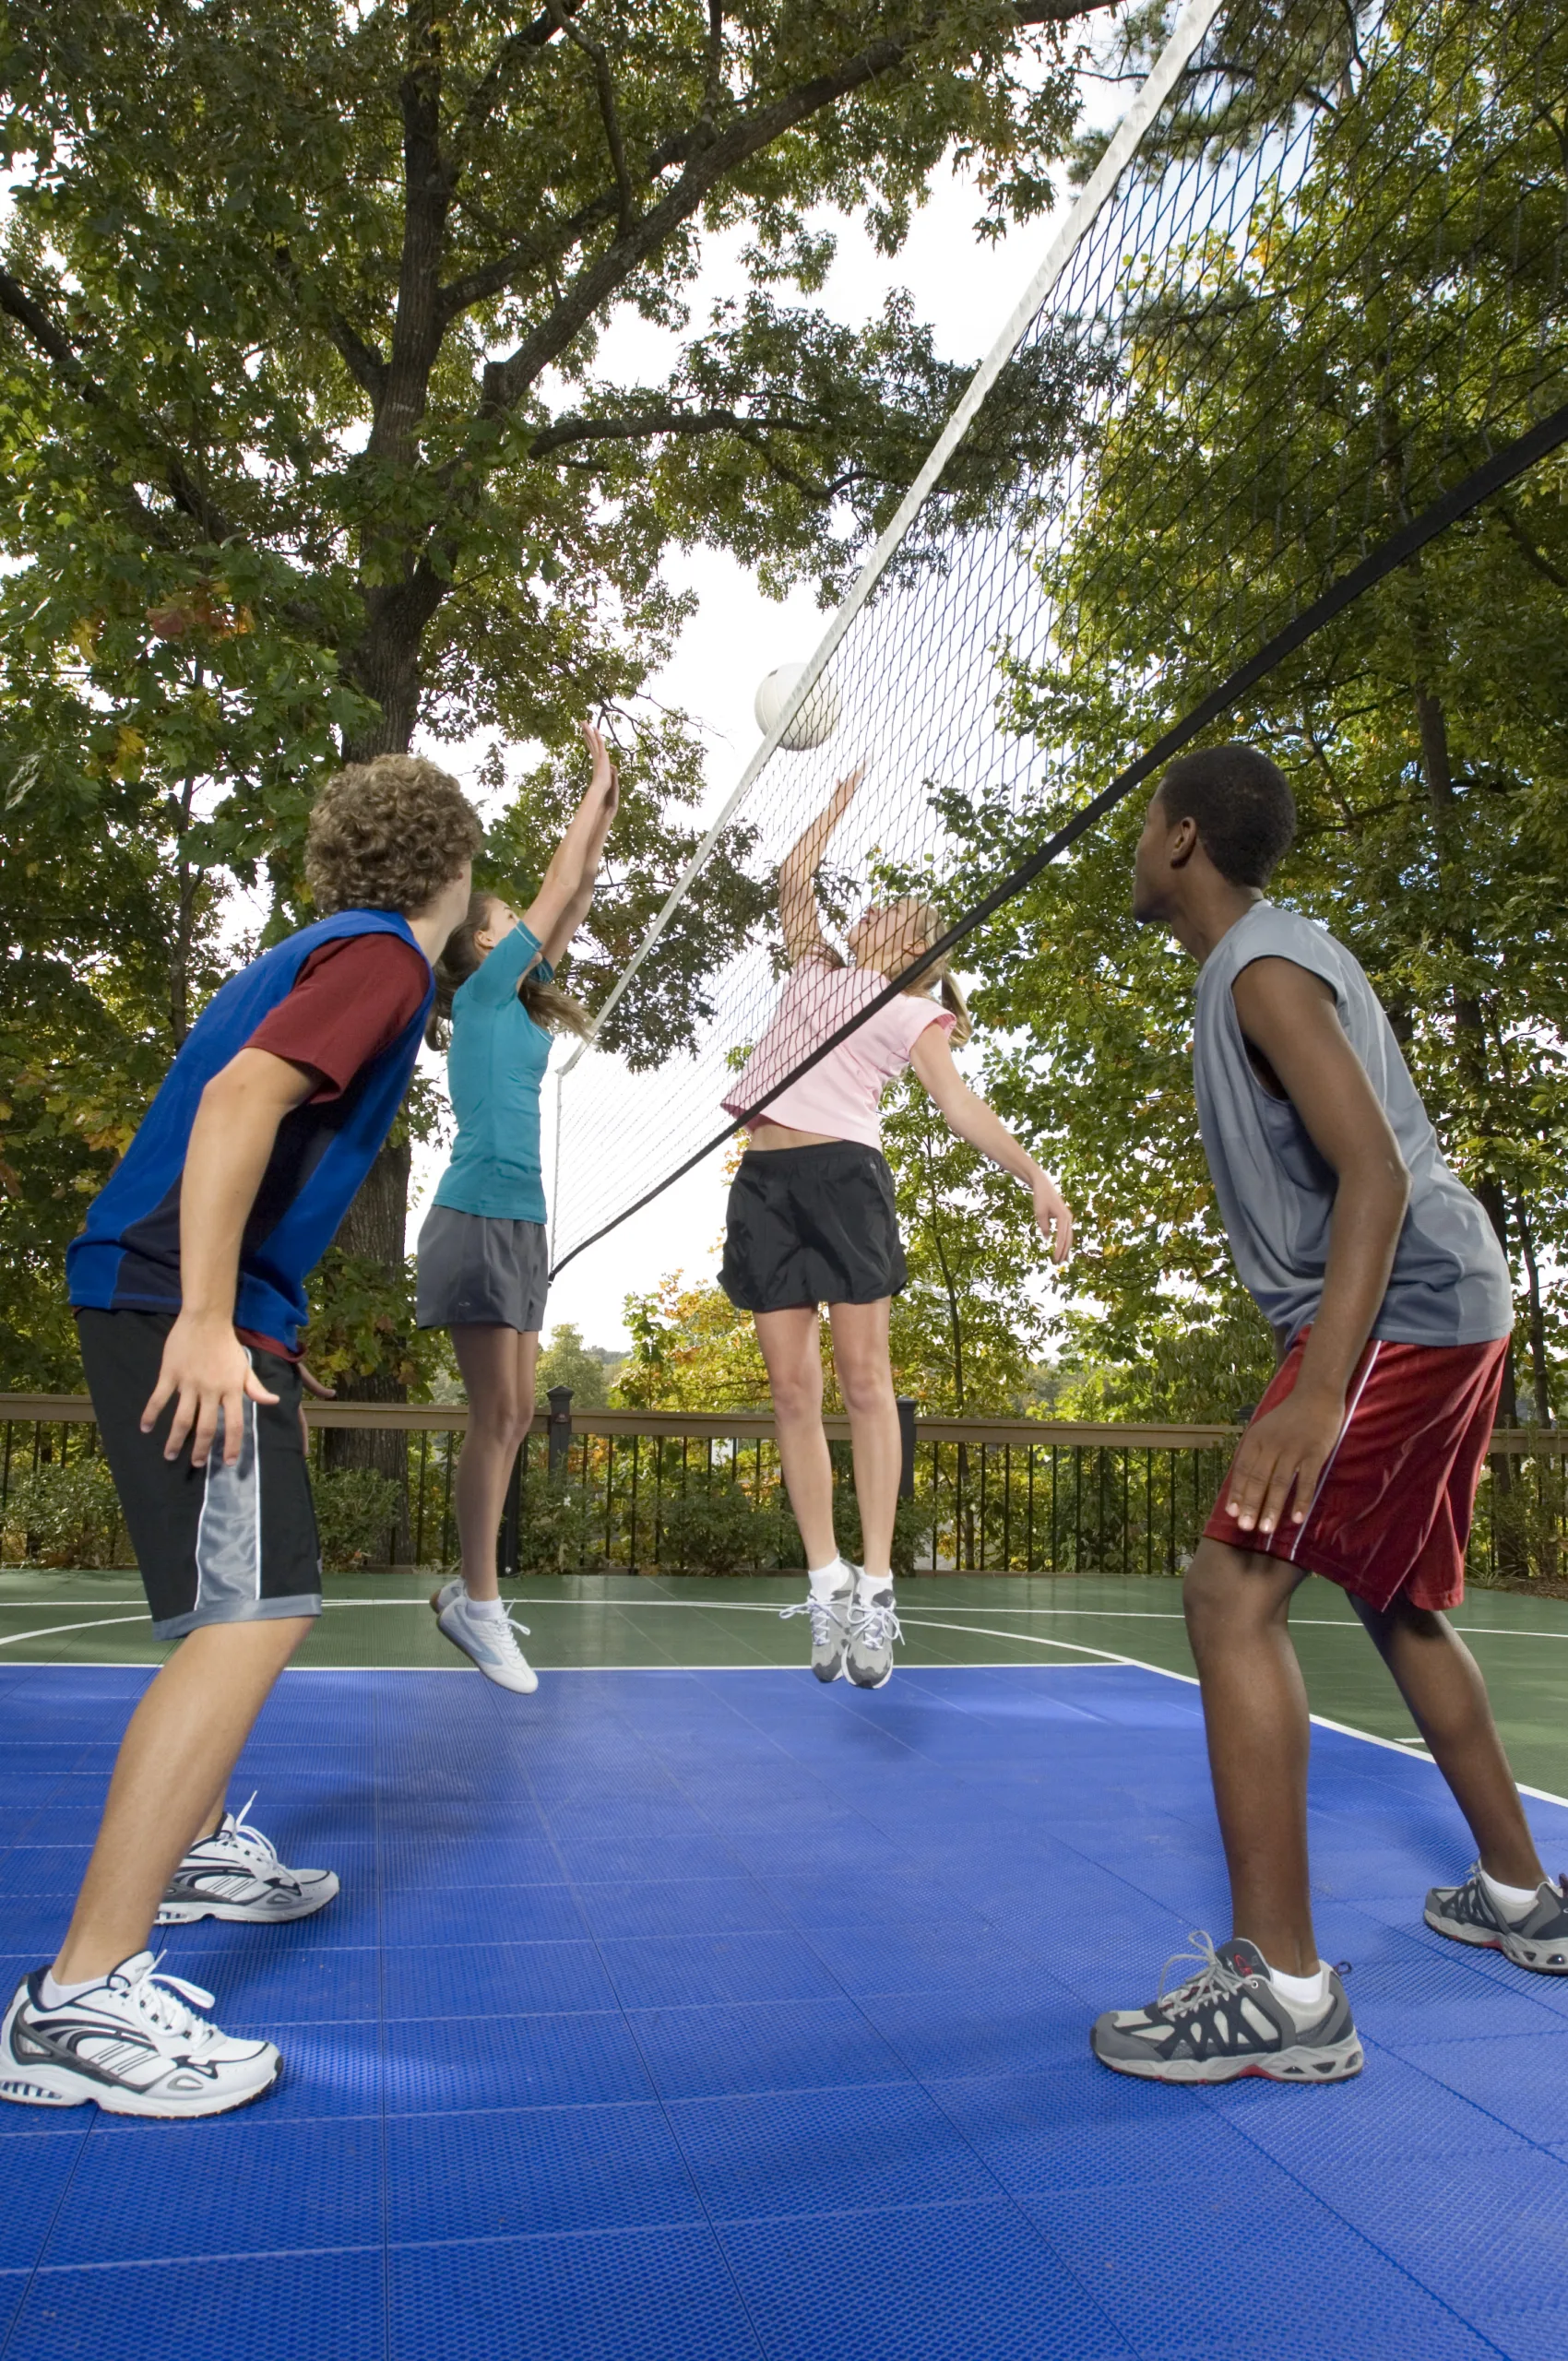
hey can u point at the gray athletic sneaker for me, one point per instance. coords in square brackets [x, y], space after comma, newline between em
[1228, 2020]
[874, 1628]
[1538, 1939]
[830, 1625]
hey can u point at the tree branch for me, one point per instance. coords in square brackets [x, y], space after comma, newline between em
[1527, 548]
[366, 365]
[419, 323]
[53, 342]
[486, 94]
[604, 84]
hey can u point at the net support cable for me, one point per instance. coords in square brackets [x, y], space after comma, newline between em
[1514, 459]
[1187, 34]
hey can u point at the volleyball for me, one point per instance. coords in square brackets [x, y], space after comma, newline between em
[817, 718]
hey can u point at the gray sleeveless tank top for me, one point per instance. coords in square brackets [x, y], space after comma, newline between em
[1450, 1284]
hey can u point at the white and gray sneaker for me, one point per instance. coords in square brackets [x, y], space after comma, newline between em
[490, 1639]
[1226, 2020]
[1540, 1940]
[236, 1874]
[874, 1628]
[830, 1623]
[132, 2044]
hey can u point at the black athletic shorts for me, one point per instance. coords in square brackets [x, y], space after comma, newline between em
[215, 1544]
[811, 1225]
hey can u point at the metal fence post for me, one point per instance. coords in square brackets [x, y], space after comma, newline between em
[906, 1442]
[560, 1431]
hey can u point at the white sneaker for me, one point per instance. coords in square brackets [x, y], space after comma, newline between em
[490, 1639]
[874, 1628]
[237, 1874]
[830, 1623]
[132, 2044]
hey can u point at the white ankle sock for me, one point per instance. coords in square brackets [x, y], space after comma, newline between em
[867, 1585]
[56, 1995]
[1301, 1991]
[824, 1580]
[1509, 1900]
[487, 1609]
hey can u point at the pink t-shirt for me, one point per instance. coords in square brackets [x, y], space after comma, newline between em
[840, 1096]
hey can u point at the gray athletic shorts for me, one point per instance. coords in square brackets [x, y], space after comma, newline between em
[477, 1271]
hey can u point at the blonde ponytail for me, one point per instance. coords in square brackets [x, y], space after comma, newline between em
[461, 957]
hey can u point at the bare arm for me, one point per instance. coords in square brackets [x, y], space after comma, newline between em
[205, 1364]
[967, 1114]
[565, 891]
[1290, 1018]
[803, 937]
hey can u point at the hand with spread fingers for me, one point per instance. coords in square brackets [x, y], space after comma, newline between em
[207, 1373]
[1281, 1459]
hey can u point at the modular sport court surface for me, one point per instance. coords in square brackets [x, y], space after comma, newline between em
[689, 2010]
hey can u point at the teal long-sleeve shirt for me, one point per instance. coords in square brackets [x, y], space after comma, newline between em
[495, 1068]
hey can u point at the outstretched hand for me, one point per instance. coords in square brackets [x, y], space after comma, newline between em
[1285, 1450]
[604, 786]
[207, 1374]
[843, 796]
[1054, 1215]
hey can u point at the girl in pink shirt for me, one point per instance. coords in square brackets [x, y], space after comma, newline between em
[812, 1220]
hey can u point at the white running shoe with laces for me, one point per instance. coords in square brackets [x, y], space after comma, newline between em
[830, 1623]
[490, 1639]
[236, 1874]
[131, 2044]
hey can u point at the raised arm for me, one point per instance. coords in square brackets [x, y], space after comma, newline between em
[565, 891]
[205, 1368]
[1292, 1024]
[967, 1114]
[803, 937]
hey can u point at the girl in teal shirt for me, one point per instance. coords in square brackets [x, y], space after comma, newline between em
[483, 1262]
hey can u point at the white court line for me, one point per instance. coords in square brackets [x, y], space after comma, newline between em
[19, 1638]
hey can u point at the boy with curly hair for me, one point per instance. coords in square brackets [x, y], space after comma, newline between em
[188, 1285]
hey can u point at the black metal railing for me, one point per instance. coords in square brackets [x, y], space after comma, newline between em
[687, 1492]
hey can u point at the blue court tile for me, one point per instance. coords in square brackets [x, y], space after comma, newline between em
[886, 1896]
[1388, 2116]
[622, 2296]
[673, 1970]
[520, 1914]
[260, 2186]
[35, 2179]
[610, 1859]
[870, 1961]
[35, 1925]
[445, 2063]
[717, 2052]
[31, 1872]
[942, 2283]
[280, 1983]
[515, 2173]
[992, 2030]
[1521, 2080]
[682, 1906]
[454, 1861]
[495, 1980]
[300, 2306]
[826, 2151]
[1486, 2240]
[1536, 2331]
[1074, 2129]
[1252, 2264]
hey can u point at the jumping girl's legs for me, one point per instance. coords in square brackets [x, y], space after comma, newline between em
[865, 1380]
[497, 1365]
[789, 1347]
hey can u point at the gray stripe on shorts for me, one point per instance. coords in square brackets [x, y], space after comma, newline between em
[228, 1544]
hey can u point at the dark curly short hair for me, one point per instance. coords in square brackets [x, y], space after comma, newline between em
[387, 835]
[1242, 804]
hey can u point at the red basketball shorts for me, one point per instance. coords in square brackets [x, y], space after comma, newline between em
[1392, 1513]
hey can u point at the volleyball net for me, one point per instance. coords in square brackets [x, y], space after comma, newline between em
[1309, 311]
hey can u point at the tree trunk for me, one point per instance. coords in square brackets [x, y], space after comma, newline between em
[372, 1230]
[1541, 1383]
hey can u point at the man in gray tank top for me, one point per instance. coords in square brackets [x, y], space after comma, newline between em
[1392, 1305]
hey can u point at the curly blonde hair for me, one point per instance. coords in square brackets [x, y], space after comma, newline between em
[387, 835]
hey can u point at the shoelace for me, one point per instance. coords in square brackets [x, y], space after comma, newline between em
[162, 1999]
[1213, 1978]
[249, 1838]
[877, 1626]
[826, 1619]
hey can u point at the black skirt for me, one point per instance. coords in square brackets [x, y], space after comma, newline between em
[811, 1225]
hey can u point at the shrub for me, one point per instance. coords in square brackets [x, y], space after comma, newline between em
[719, 1531]
[65, 1514]
[356, 1509]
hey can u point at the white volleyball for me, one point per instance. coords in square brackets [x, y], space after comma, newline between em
[817, 718]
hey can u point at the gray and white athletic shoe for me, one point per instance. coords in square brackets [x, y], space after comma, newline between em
[874, 1628]
[133, 2044]
[491, 1640]
[1228, 2020]
[236, 1874]
[830, 1625]
[1538, 1939]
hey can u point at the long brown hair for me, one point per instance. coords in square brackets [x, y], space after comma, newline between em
[949, 991]
[461, 957]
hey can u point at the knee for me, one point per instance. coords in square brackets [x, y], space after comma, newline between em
[1223, 1597]
[797, 1392]
[501, 1419]
[866, 1385]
